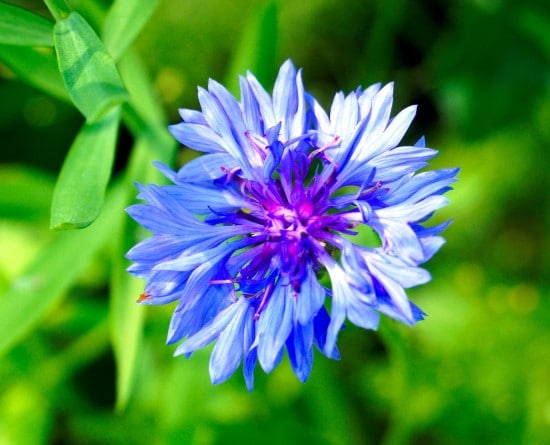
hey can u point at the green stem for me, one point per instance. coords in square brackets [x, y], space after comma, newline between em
[59, 9]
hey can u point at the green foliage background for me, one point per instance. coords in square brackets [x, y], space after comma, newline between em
[81, 363]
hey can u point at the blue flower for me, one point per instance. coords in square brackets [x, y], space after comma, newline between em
[255, 238]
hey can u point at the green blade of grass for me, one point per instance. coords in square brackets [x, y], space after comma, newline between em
[37, 68]
[21, 27]
[124, 22]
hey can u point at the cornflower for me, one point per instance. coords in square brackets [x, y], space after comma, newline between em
[255, 239]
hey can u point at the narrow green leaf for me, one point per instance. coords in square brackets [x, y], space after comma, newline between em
[144, 112]
[142, 95]
[37, 68]
[58, 8]
[124, 22]
[21, 27]
[257, 48]
[41, 286]
[126, 316]
[81, 185]
[25, 193]
[88, 70]
[126, 330]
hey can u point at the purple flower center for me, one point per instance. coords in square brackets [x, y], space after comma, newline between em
[295, 220]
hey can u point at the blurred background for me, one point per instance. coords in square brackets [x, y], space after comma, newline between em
[476, 371]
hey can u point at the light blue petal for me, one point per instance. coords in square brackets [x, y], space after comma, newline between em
[311, 297]
[298, 120]
[430, 245]
[399, 239]
[321, 322]
[189, 321]
[250, 353]
[413, 212]
[421, 186]
[156, 220]
[156, 248]
[274, 327]
[397, 295]
[207, 167]
[158, 196]
[348, 117]
[402, 273]
[340, 295]
[285, 98]
[216, 117]
[362, 314]
[192, 116]
[300, 352]
[397, 128]
[191, 313]
[322, 121]
[164, 283]
[264, 101]
[211, 257]
[400, 161]
[165, 170]
[198, 137]
[211, 330]
[336, 111]
[376, 140]
[234, 116]
[366, 97]
[251, 108]
[203, 198]
[228, 351]
[380, 111]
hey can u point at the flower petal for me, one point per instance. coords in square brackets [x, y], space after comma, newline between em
[228, 351]
[207, 167]
[300, 352]
[212, 330]
[274, 327]
[198, 137]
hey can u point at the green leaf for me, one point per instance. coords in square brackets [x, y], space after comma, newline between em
[126, 316]
[143, 99]
[37, 68]
[126, 328]
[88, 70]
[52, 272]
[124, 22]
[81, 185]
[25, 193]
[257, 49]
[21, 27]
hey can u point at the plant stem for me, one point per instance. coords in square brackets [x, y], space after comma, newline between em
[59, 9]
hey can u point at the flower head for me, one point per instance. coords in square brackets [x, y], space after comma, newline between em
[244, 235]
